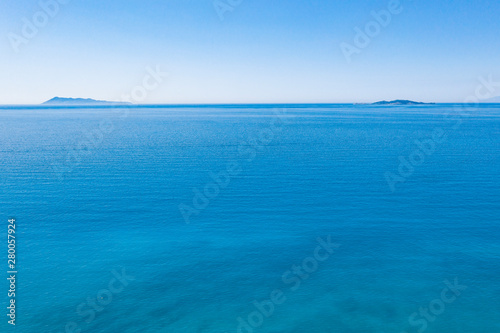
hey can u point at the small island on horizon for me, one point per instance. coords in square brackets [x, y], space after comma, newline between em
[80, 101]
[401, 102]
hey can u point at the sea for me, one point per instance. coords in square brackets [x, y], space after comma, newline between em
[251, 218]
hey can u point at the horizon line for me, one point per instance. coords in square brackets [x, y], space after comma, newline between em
[122, 105]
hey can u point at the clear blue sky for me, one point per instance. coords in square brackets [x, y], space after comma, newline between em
[262, 52]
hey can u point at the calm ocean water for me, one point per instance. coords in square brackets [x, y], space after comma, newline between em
[411, 195]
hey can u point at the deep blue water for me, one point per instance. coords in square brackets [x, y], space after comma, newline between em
[98, 190]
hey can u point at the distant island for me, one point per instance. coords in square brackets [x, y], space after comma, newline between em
[400, 102]
[80, 101]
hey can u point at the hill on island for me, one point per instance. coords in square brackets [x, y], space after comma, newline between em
[80, 101]
[400, 102]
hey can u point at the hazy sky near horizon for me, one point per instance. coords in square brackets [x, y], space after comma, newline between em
[261, 52]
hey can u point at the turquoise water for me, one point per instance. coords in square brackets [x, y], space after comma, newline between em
[97, 191]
